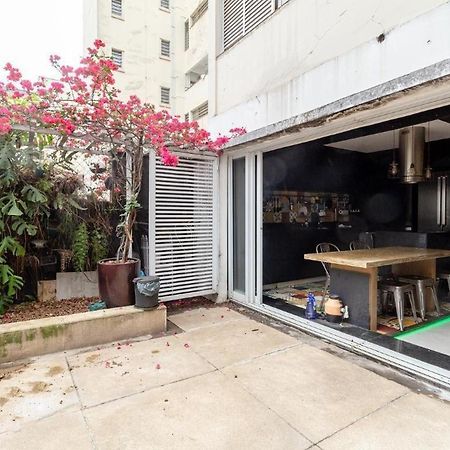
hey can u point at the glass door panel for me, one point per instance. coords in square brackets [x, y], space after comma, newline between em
[238, 221]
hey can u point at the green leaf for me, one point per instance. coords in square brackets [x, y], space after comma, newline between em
[76, 205]
[33, 194]
[14, 210]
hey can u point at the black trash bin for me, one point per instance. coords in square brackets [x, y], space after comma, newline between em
[146, 291]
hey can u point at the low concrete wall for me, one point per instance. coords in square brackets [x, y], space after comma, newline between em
[76, 284]
[41, 336]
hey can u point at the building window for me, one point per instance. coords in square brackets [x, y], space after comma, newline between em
[200, 111]
[165, 48]
[199, 11]
[116, 8]
[242, 16]
[117, 57]
[165, 4]
[186, 117]
[165, 96]
[186, 35]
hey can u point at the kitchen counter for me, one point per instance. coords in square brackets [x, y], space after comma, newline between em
[378, 257]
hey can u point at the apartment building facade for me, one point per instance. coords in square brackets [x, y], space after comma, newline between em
[160, 47]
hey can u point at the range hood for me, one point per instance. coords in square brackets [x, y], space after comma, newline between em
[412, 151]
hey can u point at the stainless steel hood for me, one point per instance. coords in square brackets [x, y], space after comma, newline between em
[412, 150]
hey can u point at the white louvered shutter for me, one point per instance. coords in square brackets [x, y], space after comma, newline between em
[200, 111]
[256, 11]
[233, 21]
[116, 8]
[184, 253]
[242, 16]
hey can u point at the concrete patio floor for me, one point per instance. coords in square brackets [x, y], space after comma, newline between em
[221, 381]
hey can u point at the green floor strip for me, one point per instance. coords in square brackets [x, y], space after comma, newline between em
[423, 327]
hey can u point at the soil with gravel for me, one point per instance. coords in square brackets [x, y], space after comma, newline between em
[53, 308]
[50, 308]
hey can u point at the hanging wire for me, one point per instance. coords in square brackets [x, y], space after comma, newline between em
[393, 166]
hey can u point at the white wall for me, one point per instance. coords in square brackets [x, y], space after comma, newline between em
[138, 34]
[198, 41]
[198, 51]
[312, 52]
[197, 94]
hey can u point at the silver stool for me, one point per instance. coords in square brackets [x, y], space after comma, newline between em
[422, 284]
[399, 291]
[445, 276]
[359, 245]
[324, 247]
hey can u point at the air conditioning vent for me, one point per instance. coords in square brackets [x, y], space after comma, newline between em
[200, 111]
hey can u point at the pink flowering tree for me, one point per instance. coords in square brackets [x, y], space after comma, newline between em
[86, 110]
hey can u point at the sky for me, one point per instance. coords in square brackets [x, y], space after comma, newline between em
[32, 30]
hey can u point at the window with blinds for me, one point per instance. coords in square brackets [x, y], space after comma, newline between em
[165, 48]
[242, 16]
[165, 96]
[199, 11]
[200, 111]
[183, 240]
[186, 35]
[117, 57]
[116, 8]
[165, 4]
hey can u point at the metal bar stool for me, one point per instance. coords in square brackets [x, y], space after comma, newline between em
[359, 245]
[324, 247]
[399, 291]
[422, 284]
[445, 276]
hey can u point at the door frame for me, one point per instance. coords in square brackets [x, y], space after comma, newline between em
[253, 228]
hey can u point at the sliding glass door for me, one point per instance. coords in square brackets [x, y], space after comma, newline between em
[244, 228]
[238, 221]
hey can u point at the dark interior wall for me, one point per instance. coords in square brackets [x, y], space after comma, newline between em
[440, 155]
[384, 204]
[314, 168]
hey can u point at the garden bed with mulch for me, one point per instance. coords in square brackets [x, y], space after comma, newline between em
[51, 308]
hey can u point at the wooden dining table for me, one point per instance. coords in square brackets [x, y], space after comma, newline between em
[354, 275]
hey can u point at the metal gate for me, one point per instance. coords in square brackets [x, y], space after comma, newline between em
[182, 230]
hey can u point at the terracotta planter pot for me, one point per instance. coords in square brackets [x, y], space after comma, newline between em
[115, 281]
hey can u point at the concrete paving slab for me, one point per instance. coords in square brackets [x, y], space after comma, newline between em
[413, 422]
[61, 431]
[205, 412]
[317, 393]
[235, 341]
[203, 317]
[120, 370]
[35, 389]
